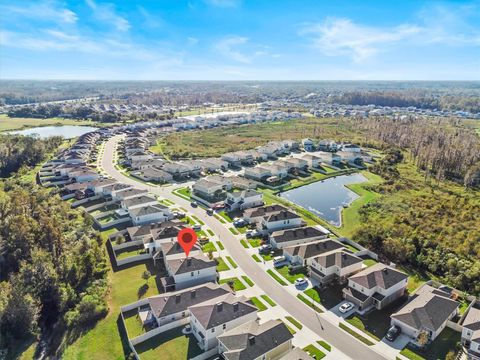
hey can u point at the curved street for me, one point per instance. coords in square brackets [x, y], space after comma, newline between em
[321, 324]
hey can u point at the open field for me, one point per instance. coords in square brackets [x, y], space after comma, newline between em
[8, 123]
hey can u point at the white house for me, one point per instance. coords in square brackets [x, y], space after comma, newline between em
[244, 199]
[312, 160]
[123, 193]
[351, 157]
[376, 286]
[303, 254]
[207, 189]
[149, 214]
[471, 332]
[258, 173]
[232, 158]
[191, 271]
[428, 313]
[281, 220]
[252, 340]
[138, 201]
[255, 215]
[308, 145]
[336, 265]
[212, 318]
[329, 158]
[83, 175]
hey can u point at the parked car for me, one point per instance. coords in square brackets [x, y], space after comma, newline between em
[301, 281]
[252, 234]
[393, 333]
[265, 249]
[279, 261]
[197, 227]
[239, 223]
[210, 211]
[346, 307]
[193, 204]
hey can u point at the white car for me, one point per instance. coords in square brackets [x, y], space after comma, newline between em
[346, 307]
[300, 281]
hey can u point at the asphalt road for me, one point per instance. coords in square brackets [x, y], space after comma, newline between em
[316, 322]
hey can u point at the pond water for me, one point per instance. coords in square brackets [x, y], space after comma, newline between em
[67, 131]
[326, 198]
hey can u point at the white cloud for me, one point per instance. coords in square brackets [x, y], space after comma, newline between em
[44, 11]
[192, 40]
[106, 12]
[228, 47]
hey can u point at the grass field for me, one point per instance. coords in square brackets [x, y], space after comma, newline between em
[8, 123]
[247, 280]
[260, 306]
[276, 277]
[237, 284]
[221, 265]
[314, 351]
[294, 322]
[291, 278]
[231, 262]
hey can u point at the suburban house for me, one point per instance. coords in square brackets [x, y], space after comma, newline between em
[214, 164]
[256, 215]
[153, 174]
[303, 254]
[312, 160]
[376, 286]
[138, 156]
[113, 189]
[126, 192]
[328, 145]
[298, 164]
[83, 175]
[147, 164]
[208, 190]
[212, 318]
[226, 182]
[172, 250]
[177, 170]
[252, 340]
[308, 145]
[232, 158]
[351, 147]
[138, 201]
[351, 157]
[281, 220]
[330, 158]
[166, 308]
[149, 233]
[244, 199]
[428, 313]
[471, 332]
[191, 271]
[258, 173]
[149, 214]
[278, 171]
[337, 265]
[290, 237]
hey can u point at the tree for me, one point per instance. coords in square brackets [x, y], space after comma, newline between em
[423, 338]
[146, 276]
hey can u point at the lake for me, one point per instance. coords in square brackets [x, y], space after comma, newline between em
[326, 199]
[67, 131]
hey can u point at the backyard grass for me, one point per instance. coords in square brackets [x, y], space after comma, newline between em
[355, 334]
[260, 306]
[170, 345]
[369, 262]
[314, 352]
[237, 284]
[268, 300]
[256, 258]
[232, 263]
[325, 345]
[129, 253]
[220, 245]
[244, 244]
[255, 242]
[225, 216]
[221, 265]
[276, 277]
[248, 281]
[295, 322]
[290, 277]
[133, 324]
[104, 341]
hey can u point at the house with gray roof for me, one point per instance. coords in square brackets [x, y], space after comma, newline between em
[255, 215]
[186, 272]
[149, 214]
[303, 254]
[138, 201]
[291, 237]
[242, 200]
[337, 265]
[211, 319]
[471, 332]
[284, 219]
[428, 312]
[376, 286]
[253, 340]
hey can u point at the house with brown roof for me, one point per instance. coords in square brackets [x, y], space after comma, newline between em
[376, 286]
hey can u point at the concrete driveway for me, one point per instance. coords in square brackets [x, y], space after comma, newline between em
[335, 310]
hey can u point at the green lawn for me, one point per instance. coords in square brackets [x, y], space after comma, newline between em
[208, 247]
[260, 306]
[183, 193]
[256, 258]
[232, 263]
[133, 324]
[295, 322]
[438, 349]
[290, 277]
[198, 220]
[314, 352]
[355, 334]
[255, 242]
[276, 277]
[220, 245]
[104, 341]
[268, 300]
[170, 345]
[359, 324]
[7, 123]
[237, 284]
[221, 265]
[210, 232]
[129, 253]
[233, 231]
[325, 345]
[309, 303]
[248, 281]
[244, 244]
[369, 262]
[219, 218]
[225, 216]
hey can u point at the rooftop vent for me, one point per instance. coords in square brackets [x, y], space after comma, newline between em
[219, 307]
[235, 307]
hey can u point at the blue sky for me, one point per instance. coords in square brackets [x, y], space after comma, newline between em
[240, 40]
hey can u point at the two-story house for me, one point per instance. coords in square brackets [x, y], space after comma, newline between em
[334, 266]
[291, 237]
[191, 271]
[281, 220]
[303, 254]
[241, 200]
[471, 332]
[255, 215]
[376, 286]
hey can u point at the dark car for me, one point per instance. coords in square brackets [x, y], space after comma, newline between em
[209, 211]
[392, 333]
[193, 204]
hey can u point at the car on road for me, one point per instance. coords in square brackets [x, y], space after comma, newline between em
[210, 211]
[301, 281]
[393, 333]
[346, 307]
[197, 227]
[194, 204]
[252, 234]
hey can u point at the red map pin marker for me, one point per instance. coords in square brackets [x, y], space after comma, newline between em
[187, 238]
